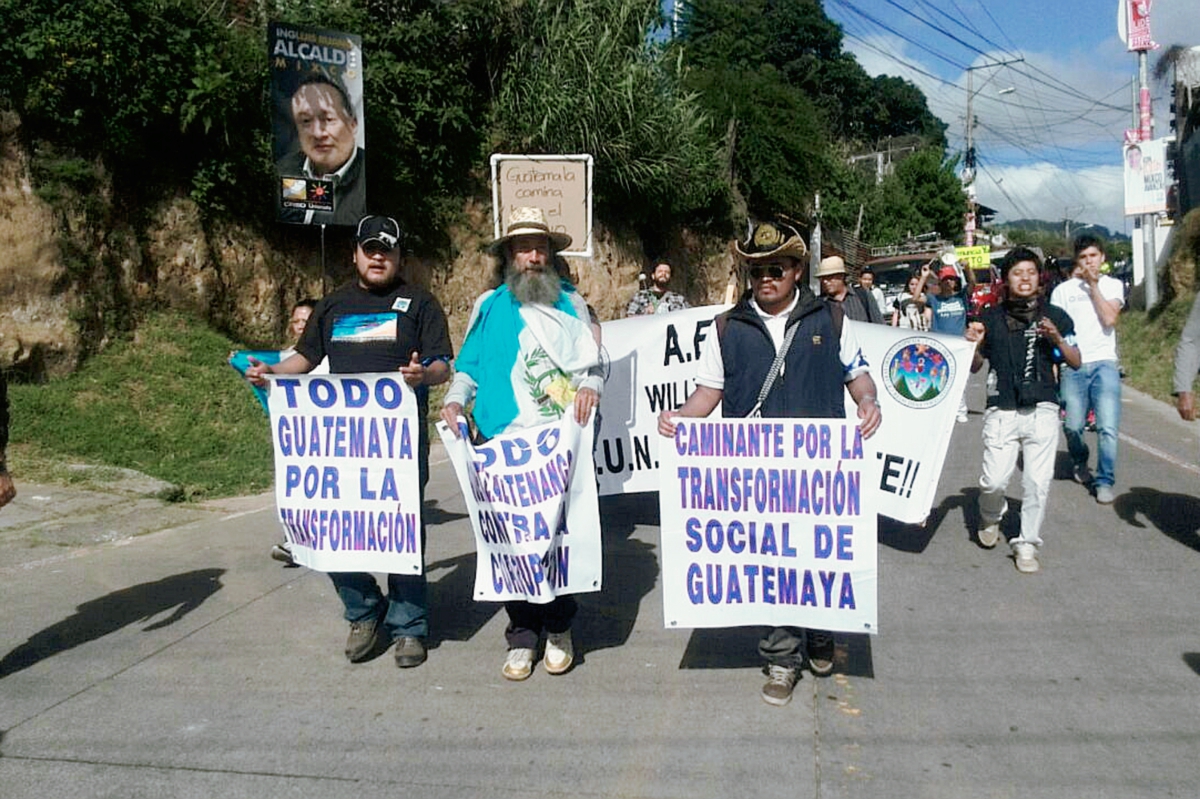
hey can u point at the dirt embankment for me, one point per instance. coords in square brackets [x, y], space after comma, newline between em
[77, 272]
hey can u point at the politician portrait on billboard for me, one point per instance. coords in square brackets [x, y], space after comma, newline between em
[317, 109]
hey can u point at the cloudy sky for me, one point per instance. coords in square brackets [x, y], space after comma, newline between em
[1048, 129]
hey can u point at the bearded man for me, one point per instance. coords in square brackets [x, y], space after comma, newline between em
[531, 355]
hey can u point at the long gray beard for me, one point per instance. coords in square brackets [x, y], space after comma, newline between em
[534, 287]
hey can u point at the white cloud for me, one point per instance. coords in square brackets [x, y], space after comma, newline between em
[1053, 142]
[1036, 191]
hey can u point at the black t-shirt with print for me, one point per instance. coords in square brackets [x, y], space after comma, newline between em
[363, 331]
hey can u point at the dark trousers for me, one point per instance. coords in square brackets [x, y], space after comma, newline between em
[785, 646]
[527, 621]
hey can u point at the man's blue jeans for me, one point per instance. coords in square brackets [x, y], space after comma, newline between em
[406, 611]
[1097, 386]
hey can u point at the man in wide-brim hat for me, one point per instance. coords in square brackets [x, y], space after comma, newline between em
[831, 273]
[820, 363]
[531, 356]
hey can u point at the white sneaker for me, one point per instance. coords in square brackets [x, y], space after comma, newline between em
[518, 665]
[961, 418]
[1026, 557]
[989, 534]
[560, 652]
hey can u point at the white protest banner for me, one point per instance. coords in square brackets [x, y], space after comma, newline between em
[768, 521]
[532, 502]
[653, 368]
[347, 484]
[919, 380]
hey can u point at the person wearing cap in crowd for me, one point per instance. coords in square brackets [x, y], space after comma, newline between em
[1023, 340]
[534, 315]
[841, 296]
[732, 371]
[420, 349]
[950, 305]
[866, 282]
[657, 298]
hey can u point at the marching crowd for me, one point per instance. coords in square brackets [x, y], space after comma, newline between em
[532, 354]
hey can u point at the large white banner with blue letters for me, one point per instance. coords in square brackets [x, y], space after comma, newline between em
[347, 484]
[532, 502]
[919, 378]
[768, 521]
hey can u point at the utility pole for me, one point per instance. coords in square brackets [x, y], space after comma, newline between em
[1133, 25]
[1146, 132]
[968, 174]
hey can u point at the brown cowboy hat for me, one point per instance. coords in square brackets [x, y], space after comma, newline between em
[772, 240]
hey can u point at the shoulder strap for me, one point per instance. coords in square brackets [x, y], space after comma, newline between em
[773, 372]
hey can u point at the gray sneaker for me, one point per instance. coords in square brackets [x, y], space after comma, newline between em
[363, 639]
[781, 681]
[820, 650]
[1105, 495]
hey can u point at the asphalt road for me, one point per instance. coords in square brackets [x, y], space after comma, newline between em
[156, 651]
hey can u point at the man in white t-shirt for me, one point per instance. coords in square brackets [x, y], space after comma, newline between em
[1093, 301]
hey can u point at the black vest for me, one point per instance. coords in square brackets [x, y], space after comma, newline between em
[812, 382]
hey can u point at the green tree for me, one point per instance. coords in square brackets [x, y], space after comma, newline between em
[923, 195]
[585, 77]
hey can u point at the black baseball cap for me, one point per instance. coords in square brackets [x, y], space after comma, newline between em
[382, 229]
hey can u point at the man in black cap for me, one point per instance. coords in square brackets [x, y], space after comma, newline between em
[416, 343]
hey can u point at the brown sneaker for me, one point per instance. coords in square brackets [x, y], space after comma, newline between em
[363, 639]
[781, 681]
[410, 652]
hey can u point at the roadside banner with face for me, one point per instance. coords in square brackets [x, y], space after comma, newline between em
[532, 502]
[347, 479]
[317, 122]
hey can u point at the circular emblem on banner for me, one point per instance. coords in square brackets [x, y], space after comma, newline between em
[917, 372]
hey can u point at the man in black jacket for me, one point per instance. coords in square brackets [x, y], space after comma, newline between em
[823, 358]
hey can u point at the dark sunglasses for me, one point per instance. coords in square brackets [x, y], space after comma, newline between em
[773, 272]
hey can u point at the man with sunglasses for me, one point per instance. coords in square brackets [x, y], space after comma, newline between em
[823, 360]
[407, 332]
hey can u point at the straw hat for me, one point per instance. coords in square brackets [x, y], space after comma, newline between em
[529, 221]
[769, 240]
[833, 265]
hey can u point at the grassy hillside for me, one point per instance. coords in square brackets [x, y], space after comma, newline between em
[164, 403]
[1147, 346]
